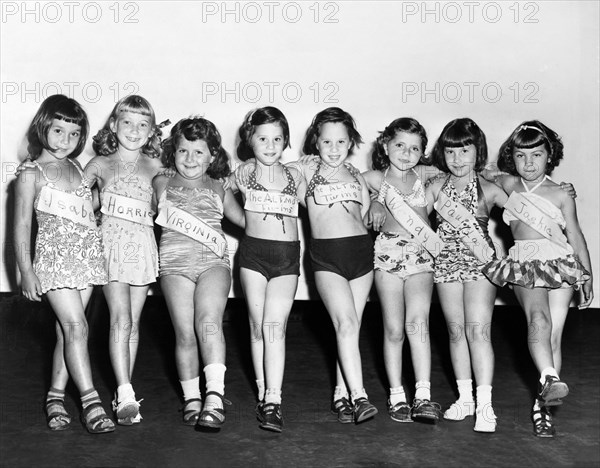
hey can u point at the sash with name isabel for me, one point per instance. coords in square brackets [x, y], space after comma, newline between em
[261, 201]
[67, 205]
[461, 219]
[174, 218]
[526, 211]
[130, 209]
[338, 192]
[413, 223]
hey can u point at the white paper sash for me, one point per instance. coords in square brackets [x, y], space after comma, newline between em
[271, 202]
[67, 205]
[174, 218]
[338, 192]
[413, 223]
[526, 211]
[461, 219]
[131, 209]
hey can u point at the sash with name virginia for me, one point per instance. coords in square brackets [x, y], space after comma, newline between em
[261, 201]
[413, 223]
[338, 192]
[526, 211]
[174, 218]
[461, 219]
[67, 205]
[130, 209]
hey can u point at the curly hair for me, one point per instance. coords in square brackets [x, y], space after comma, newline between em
[58, 107]
[530, 134]
[457, 134]
[254, 118]
[105, 141]
[330, 115]
[380, 159]
[193, 129]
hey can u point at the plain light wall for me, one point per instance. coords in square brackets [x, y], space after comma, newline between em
[499, 63]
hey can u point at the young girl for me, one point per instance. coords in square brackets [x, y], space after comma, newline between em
[403, 267]
[68, 252]
[341, 250]
[549, 258]
[194, 262]
[269, 254]
[128, 158]
[466, 296]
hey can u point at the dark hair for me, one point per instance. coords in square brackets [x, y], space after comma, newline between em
[58, 107]
[330, 115]
[254, 118]
[457, 134]
[194, 129]
[380, 159]
[105, 141]
[529, 135]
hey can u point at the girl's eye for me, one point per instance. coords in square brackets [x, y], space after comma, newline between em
[278, 139]
[75, 134]
[143, 125]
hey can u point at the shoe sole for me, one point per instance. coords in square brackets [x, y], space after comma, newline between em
[457, 420]
[555, 394]
[428, 418]
[368, 414]
[407, 420]
[484, 431]
[270, 427]
[342, 420]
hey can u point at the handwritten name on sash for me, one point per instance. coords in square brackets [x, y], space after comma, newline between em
[271, 202]
[185, 223]
[67, 205]
[339, 192]
[131, 209]
[460, 218]
[413, 223]
[526, 211]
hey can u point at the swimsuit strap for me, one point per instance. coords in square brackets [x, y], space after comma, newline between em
[482, 208]
[528, 190]
[84, 180]
[289, 189]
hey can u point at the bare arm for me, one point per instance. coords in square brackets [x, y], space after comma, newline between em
[25, 192]
[232, 209]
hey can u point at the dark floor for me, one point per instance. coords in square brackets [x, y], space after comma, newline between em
[312, 436]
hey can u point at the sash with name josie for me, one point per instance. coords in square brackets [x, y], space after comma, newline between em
[413, 223]
[130, 209]
[526, 211]
[67, 205]
[174, 218]
[461, 219]
[338, 192]
[262, 201]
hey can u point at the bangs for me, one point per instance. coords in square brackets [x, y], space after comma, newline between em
[457, 137]
[529, 138]
[137, 105]
[70, 118]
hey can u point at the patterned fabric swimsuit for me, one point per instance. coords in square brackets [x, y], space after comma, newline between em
[130, 248]
[396, 252]
[318, 179]
[67, 254]
[456, 263]
[289, 189]
[180, 254]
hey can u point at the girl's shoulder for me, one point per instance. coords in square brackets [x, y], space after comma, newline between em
[159, 183]
[426, 173]
[373, 178]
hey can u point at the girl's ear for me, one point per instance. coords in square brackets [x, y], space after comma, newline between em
[112, 124]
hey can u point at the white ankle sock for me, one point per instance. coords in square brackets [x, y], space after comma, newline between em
[191, 388]
[215, 378]
[358, 393]
[340, 392]
[465, 390]
[397, 395]
[273, 395]
[125, 391]
[548, 371]
[484, 395]
[423, 390]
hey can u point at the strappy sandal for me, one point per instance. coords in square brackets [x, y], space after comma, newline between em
[95, 419]
[363, 410]
[400, 412]
[190, 416]
[57, 417]
[212, 419]
[127, 411]
[542, 423]
[344, 410]
[553, 391]
[273, 419]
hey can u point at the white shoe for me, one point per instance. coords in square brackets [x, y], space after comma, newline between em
[485, 419]
[459, 410]
[127, 411]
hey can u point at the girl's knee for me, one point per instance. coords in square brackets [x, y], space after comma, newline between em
[346, 326]
[394, 335]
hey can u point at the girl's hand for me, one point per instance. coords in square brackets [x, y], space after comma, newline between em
[376, 215]
[308, 159]
[586, 295]
[31, 287]
[226, 182]
[168, 172]
[568, 187]
[27, 164]
[242, 173]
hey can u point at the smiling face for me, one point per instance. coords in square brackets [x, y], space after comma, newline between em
[461, 161]
[63, 138]
[404, 150]
[133, 130]
[531, 162]
[333, 143]
[268, 143]
[192, 158]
